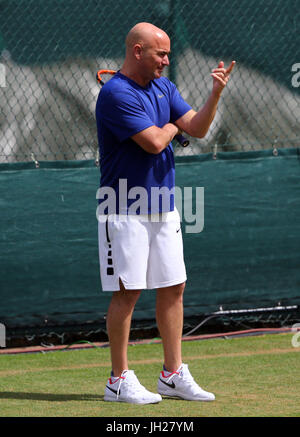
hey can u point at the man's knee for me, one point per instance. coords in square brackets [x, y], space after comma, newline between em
[179, 289]
[126, 297]
[174, 292]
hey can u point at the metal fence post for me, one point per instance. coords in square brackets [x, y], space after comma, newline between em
[174, 37]
[2, 335]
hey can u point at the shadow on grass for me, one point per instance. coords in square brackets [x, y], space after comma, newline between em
[50, 397]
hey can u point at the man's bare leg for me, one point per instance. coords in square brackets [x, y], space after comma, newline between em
[169, 317]
[118, 324]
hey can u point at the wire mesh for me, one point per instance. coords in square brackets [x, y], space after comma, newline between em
[51, 51]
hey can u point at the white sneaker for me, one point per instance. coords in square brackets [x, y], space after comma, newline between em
[181, 384]
[127, 388]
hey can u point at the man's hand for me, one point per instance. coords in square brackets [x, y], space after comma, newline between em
[221, 77]
[196, 124]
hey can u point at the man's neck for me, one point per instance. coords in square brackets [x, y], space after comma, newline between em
[135, 76]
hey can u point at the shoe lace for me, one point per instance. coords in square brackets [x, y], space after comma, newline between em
[172, 376]
[132, 383]
[184, 375]
[121, 381]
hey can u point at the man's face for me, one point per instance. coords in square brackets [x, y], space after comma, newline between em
[155, 57]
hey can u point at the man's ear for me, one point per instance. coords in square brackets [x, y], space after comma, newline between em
[137, 51]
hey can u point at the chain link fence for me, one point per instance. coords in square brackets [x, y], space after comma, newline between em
[50, 51]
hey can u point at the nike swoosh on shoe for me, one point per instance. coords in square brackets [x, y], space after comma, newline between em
[172, 385]
[114, 391]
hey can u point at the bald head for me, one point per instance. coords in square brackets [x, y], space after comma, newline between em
[147, 51]
[144, 34]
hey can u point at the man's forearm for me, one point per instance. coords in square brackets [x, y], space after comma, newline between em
[201, 121]
[155, 139]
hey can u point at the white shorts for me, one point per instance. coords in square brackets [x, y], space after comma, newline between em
[141, 251]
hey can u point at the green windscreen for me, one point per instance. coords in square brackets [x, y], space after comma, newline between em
[247, 255]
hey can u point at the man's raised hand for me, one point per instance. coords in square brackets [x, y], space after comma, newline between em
[221, 76]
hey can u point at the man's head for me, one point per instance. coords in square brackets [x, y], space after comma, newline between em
[147, 51]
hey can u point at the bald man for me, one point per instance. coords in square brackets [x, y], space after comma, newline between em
[138, 114]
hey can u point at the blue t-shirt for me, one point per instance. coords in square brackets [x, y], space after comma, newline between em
[123, 109]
